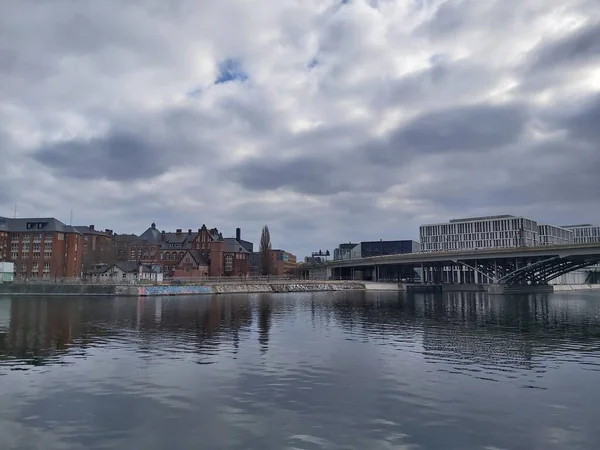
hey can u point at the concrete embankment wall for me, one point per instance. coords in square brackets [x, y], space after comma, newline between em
[576, 287]
[145, 291]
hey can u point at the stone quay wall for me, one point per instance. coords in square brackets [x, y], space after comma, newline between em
[169, 290]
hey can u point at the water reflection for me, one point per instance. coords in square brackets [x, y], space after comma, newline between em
[321, 370]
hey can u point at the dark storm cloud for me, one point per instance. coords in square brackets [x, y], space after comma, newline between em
[478, 128]
[579, 47]
[118, 156]
[306, 175]
[584, 123]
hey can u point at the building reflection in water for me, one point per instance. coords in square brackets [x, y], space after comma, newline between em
[264, 307]
[40, 330]
[460, 328]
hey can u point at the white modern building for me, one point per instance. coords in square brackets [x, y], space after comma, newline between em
[472, 233]
[553, 235]
[585, 233]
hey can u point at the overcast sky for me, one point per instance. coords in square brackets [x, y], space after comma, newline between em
[329, 121]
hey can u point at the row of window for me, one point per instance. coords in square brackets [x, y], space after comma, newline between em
[478, 227]
[586, 232]
[34, 255]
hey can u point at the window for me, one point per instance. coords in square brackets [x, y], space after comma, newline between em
[228, 263]
[46, 267]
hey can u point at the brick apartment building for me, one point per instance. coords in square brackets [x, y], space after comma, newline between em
[98, 246]
[192, 253]
[41, 247]
[282, 263]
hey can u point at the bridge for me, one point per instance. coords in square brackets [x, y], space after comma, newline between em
[531, 267]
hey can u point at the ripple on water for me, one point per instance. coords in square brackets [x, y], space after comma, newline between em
[335, 370]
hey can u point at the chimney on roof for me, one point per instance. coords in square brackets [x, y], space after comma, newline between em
[238, 234]
[91, 227]
[109, 232]
[178, 231]
[153, 226]
[189, 232]
[199, 230]
[163, 236]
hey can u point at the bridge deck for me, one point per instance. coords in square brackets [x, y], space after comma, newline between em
[562, 251]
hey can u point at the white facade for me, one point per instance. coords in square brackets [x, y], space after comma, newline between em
[479, 232]
[150, 273]
[553, 235]
[6, 272]
[584, 234]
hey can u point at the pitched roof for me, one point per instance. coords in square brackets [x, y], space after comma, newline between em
[99, 269]
[86, 230]
[232, 245]
[198, 257]
[125, 237]
[151, 268]
[151, 235]
[128, 266]
[247, 245]
[35, 225]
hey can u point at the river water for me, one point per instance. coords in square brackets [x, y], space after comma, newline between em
[348, 370]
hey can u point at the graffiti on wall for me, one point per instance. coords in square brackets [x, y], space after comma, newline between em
[174, 290]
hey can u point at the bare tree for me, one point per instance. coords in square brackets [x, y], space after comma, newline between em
[265, 251]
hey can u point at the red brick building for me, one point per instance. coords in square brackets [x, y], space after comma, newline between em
[98, 246]
[42, 247]
[283, 263]
[4, 241]
[222, 256]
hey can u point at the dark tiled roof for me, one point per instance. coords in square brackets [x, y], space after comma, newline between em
[197, 255]
[151, 268]
[232, 245]
[125, 238]
[128, 266]
[35, 225]
[247, 245]
[151, 235]
[86, 230]
[99, 270]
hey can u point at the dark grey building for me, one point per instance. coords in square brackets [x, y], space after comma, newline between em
[381, 248]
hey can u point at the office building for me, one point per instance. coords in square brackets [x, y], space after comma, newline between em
[585, 233]
[553, 235]
[502, 231]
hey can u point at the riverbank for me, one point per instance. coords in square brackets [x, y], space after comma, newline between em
[35, 289]
[169, 290]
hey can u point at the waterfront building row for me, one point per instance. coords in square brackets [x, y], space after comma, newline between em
[501, 231]
[47, 248]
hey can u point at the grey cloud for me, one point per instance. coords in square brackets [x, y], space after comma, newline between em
[442, 83]
[582, 47]
[481, 128]
[310, 176]
[117, 156]
[584, 123]
[448, 18]
[66, 65]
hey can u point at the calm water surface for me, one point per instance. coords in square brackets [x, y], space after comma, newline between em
[363, 371]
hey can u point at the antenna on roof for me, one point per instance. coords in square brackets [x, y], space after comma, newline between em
[71, 218]
[15, 216]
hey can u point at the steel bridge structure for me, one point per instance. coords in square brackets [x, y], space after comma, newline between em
[519, 266]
